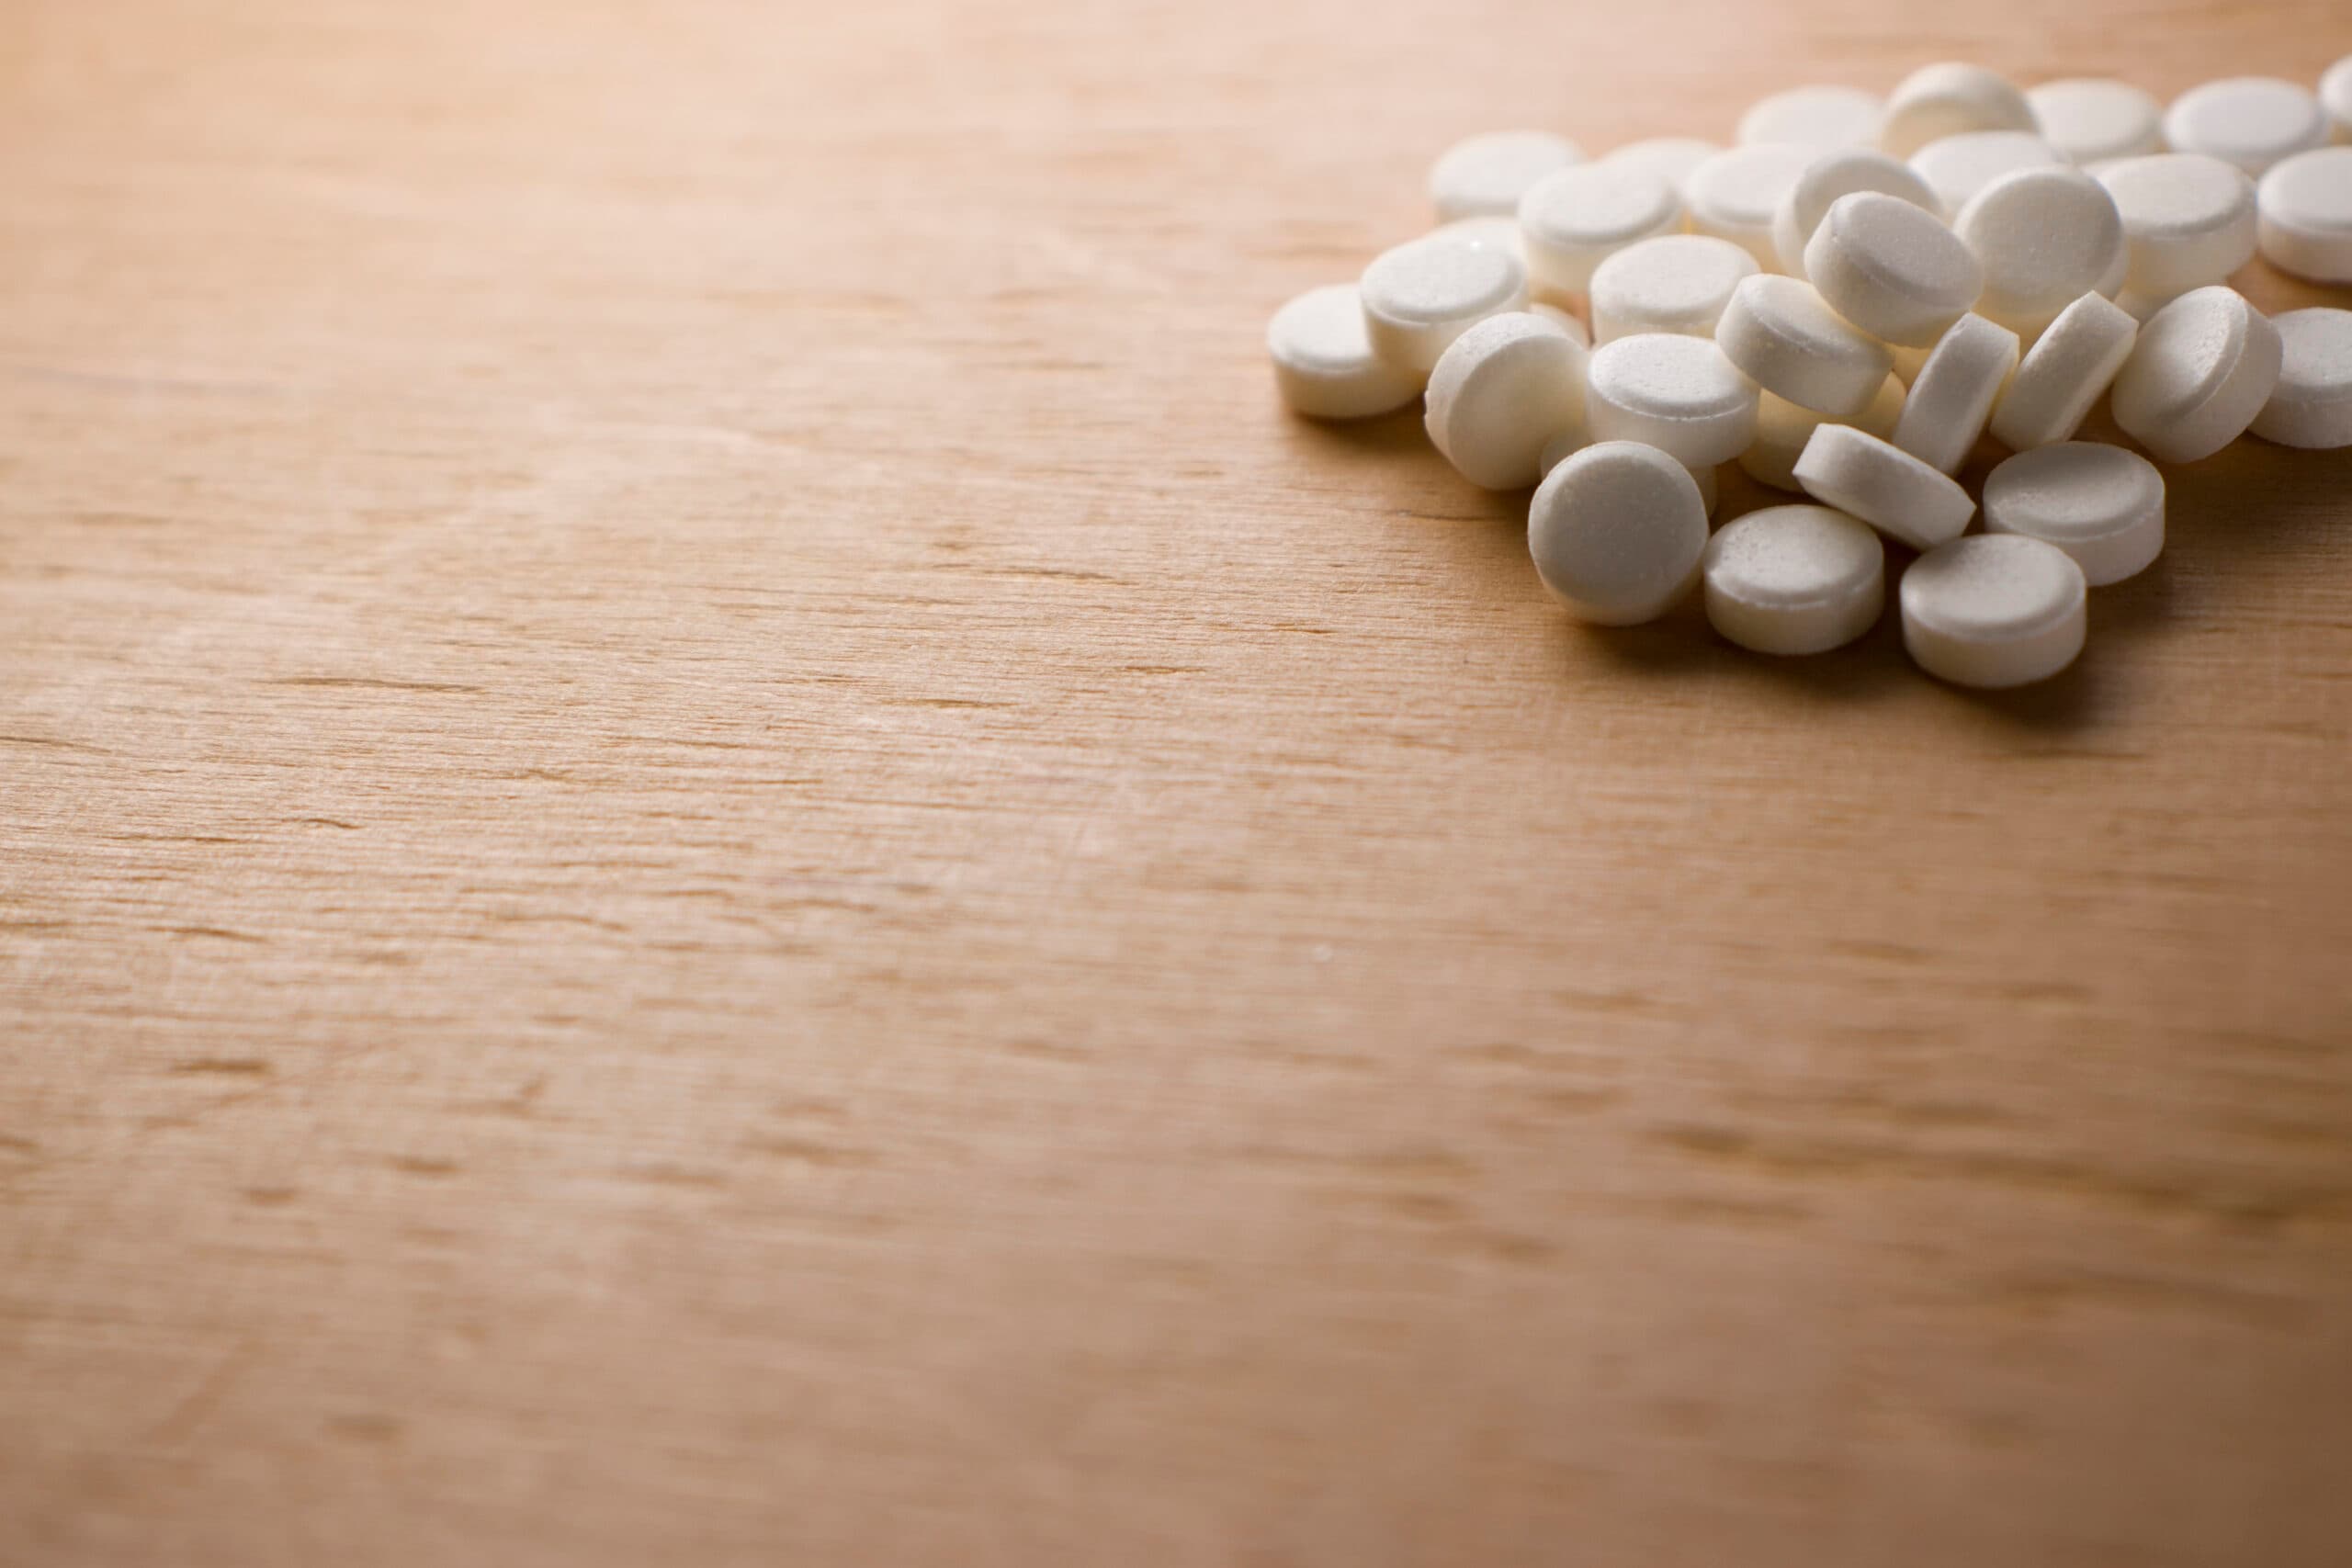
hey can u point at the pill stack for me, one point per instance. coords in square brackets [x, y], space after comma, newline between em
[1843, 302]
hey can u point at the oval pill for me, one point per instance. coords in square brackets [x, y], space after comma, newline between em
[1794, 580]
[2201, 371]
[1884, 486]
[2101, 505]
[1994, 610]
[1616, 532]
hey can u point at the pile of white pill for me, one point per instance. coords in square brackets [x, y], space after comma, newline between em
[1843, 302]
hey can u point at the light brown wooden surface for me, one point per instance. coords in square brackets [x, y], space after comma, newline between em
[715, 849]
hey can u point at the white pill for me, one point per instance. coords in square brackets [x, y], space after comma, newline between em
[2187, 221]
[2305, 203]
[1892, 268]
[1672, 158]
[1952, 396]
[2046, 237]
[1425, 293]
[1816, 116]
[1949, 99]
[1994, 610]
[1794, 580]
[2101, 505]
[1567, 320]
[2201, 371]
[1488, 174]
[1782, 428]
[1616, 533]
[2251, 122]
[1499, 393]
[1502, 233]
[2092, 119]
[1785, 339]
[1679, 394]
[2072, 362]
[1842, 172]
[1957, 167]
[1561, 447]
[1882, 485]
[2335, 96]
[1575, 219]
[2313, 404]
[1676, 283]
[1323, 360]
[1734, 195]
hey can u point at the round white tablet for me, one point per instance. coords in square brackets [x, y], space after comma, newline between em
[1676, 283]
[1957, 167]
[1816, 116]
[1949, 99]
[1952, 396]
[2251, 122]
[2313, 404]
[1782, 428]
[1499, 393]
[2092, 119]
[1734, 195]
[1783, 337]
[1679, 394]
[1567, 320]
[2204, 367]
[1994, 610]
[2305, 203]
[2046, 237]
[1672, 158]
[1502, 233]
[1841, 172]
[2101, 505]
[1576, 217]
[1710, 488]
[1892, 268]
[1488, 174]
[2335, 96]
[1616, 533]
[1882, 485]
[1792, 580]
[2189, 219]
[1423, 294]
[2072, 362]
[1323, 360]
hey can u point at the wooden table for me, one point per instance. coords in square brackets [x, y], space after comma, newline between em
[715, 849]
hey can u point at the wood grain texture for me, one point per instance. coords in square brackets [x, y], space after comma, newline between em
[715, 849]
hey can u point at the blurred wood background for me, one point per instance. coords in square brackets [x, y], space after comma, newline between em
[715, 849]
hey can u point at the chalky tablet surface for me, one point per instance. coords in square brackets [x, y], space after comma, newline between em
[1949, 99]
[1892, 268]
[1677, 283]
[1679, 394]
[1616, 532]
[1952, 396]
[2101, 505]
[1782, 429]
[1882, 485]
[1734, 195]
[2201, 371]
[1780, 334]
[1957, 167]
[2305, 215]
[2045, 237]
[1994, 610]
[1501, 392]
[2092, 119]
[1323, 360]
[1575, 219]
[2187, 221]
[2063, 373]
[1486, 174]
[2251, 122]
[1816, 116]
[1794, 580]
[1841, 172]
[2312, 406]
[1425, 293]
